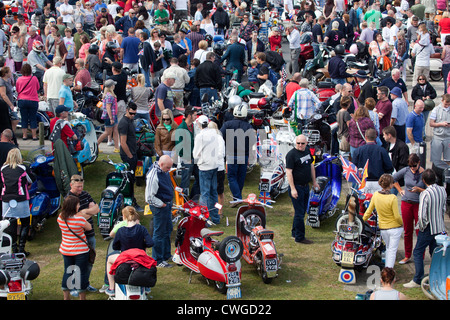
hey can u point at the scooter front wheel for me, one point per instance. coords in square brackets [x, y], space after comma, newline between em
[252, 219]
[220, 286]
[425, 285]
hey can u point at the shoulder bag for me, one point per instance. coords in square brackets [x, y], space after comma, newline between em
[92, 253]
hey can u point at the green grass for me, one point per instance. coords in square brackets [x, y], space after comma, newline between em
[307, 271]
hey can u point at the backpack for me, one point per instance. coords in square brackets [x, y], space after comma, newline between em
[56, 133]
[273, 77]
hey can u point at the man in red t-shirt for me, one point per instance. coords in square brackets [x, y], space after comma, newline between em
[62, 113]
[82, 77]
[293, 85]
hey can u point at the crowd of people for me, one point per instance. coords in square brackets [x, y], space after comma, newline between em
[59, 47]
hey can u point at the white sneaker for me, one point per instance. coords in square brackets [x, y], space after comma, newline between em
[110, 143]
[411, 284]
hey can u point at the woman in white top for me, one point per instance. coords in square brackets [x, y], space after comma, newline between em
[200, 54]
[208, 25]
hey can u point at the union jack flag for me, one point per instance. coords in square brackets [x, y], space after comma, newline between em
[350, 171]
[264, 197]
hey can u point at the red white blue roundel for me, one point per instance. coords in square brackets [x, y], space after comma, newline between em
[347, 276]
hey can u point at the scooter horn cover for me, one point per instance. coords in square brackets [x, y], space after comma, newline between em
[30, 270]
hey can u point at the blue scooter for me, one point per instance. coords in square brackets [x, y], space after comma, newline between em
[45, 198]
[322, 202]
[436, 286]
[85, 131]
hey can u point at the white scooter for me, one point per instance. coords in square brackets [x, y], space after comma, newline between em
[16, 272]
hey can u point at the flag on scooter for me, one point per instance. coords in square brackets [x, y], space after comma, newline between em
[264, 197]
[350, 171]
[364, 176]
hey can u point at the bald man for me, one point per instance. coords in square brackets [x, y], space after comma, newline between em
[159, 195]
[300, 172]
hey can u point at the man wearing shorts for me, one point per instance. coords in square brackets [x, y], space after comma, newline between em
[440, 122]
[181, 12]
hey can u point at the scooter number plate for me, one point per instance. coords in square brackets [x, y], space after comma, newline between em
[264, 187]
[347, 258]
[271, 265]
[139, 171]
[16, 296]
[233, 277]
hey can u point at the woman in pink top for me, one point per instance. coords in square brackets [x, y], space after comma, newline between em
[27, 87]
[85, 44]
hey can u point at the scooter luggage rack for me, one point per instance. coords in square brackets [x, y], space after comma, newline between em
[312, 135]
[346, 230]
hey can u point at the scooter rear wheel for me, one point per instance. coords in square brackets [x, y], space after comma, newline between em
[425, 285]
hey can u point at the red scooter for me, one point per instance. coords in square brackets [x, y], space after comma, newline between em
[197, 250]
[259, 247]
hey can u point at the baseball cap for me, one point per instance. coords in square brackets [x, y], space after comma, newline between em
[202, 119]
[61, 108]
[109, 83]
[67, 76]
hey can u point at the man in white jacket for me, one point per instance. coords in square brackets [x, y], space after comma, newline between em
[208, 152]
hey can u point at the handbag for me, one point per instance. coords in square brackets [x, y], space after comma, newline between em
[92, 253]
[360, 132]
[344, 145]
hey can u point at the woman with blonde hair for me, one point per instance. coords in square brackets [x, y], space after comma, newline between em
[200, 54]
[389, 219]
[15, 178]
[220, 169]
[164, 143]
[130, 235]
[141, 95]
[109, 114]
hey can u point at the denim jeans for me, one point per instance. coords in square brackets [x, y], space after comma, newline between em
[162, 228]
[28, 110]
[236, 177]
[145, 116]
[211, 93]
[92, 242]
[208, 192]
[300, 204]
[445, 71]
[339, 81]
[424, 240]
[79, 283]
[186, 174]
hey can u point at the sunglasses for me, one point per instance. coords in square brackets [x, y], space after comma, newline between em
[77, 180]
[302, 143]
[421, 79]
[167, 119]
[132, 113]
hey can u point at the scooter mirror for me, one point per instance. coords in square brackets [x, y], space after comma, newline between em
[13, 203]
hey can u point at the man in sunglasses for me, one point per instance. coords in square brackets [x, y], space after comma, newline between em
[300, 172]
[128, 146]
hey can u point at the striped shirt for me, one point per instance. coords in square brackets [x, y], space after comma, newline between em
[71, 245]
[432, 203]
[85, 199]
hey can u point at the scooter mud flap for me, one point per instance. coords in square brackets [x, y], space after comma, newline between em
[347, 276]
[234, 292]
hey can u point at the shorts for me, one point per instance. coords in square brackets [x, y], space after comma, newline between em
[13, 115]
[180, 15]
[108, 122]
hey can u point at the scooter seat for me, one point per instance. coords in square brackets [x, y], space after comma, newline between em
[325, 85]
[206, 233]
[256, 95]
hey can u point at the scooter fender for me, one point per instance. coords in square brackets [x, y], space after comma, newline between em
[212, 267]
[85, 154]
[39, 204]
